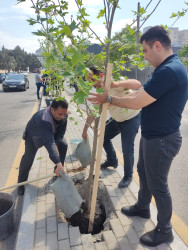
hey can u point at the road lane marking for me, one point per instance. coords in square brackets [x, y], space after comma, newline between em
[13, 175]
[177, 224]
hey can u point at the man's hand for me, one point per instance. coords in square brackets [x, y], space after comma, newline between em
[98, 98]
[59, 167]
[114, 85]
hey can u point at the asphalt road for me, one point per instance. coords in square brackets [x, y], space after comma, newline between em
[15, 110]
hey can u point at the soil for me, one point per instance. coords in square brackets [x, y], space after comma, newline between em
[103, 208]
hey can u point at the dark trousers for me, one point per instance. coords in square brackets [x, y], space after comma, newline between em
[155, 158]
[128, 130]
[29, 155]
[39, 85]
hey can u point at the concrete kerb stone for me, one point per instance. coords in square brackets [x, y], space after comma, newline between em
[113, 239]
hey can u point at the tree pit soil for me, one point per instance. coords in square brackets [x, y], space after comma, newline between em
[103, 212]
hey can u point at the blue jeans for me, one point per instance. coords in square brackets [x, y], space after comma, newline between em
[155, 158]
[128, 130]
[40, 84]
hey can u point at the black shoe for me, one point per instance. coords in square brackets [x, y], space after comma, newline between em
[21, 190]
[39, 98]
[135, 211]
[109, 164]
[125, 182]
[156, 237]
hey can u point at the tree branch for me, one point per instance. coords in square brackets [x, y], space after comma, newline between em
[150, 14]
[89, 26]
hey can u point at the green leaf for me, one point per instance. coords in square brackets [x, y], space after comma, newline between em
[79, 2]
[101, 13]
[77, 57]
[100, 90]
[50, 21]
[68, 74]
[40, 33]
[71, 118]
[173, 15]
[32, 21]
[79, 97]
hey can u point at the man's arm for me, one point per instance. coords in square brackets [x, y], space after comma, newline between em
[89, 120]
[128, 84]
[136, 100]
[61, 131]
[51, 147]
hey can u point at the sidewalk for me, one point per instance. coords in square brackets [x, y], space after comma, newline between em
[42, 229]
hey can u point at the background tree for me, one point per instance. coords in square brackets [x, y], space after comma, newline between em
[17, 60]
[183, 53]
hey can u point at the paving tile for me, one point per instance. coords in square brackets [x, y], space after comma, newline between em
[131, 199]
[64, 244]
[111, 192]
[75, 236]
[40, 248]
[134, 187]
[51, 224]
[178, 244]
[132, 236]
[51, 211]
[87, 242]
[124, 244]
[110, 240]
[41, 207]
[40, 220]
[111, 178]
[148, 224]
[136, 224]
[40, 237]
[63, 231]
[126, 191]
[106, 182]
[117, 228]
[116, 203]
[52, 243]
[123, 219]
[101, 246]
[50, 198]
[77, 248]
[140, 247]
[122, 198]
[164, 247]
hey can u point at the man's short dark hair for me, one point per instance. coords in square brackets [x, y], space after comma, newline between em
[95, 71]
[156, 33]
[60, 103]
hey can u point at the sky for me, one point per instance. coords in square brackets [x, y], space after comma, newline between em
[15, 30]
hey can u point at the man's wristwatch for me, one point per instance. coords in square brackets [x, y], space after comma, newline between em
[109, 99]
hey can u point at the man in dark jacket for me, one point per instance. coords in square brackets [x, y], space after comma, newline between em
[46, 128]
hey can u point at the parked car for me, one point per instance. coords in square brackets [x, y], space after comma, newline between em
[15, 81]
[2, 77]
[24, 73]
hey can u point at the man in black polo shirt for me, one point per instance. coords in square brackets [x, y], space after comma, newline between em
[162, 100]
[46, 128]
